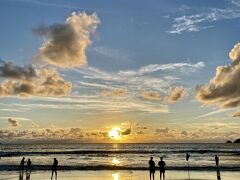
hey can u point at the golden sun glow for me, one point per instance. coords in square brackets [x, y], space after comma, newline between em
[115, 176]
[115, 161]
[115, 133]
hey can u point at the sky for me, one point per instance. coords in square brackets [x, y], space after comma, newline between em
[153, 71]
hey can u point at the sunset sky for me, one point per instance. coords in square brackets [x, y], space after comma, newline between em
[158, 71]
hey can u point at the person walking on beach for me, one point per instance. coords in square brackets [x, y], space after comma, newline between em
[29, 165]
[217, 160]
[162, 165]
[22, 164]
[54, 167]
[151, 167]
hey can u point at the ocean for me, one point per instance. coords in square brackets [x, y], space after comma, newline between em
[120, 156]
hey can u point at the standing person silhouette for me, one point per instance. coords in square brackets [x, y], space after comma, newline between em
[54, 167]
[217, 160]
[187, 156]
[22, 164]
[162, 165]
[29, 165]
[187, 159]
[151, 167]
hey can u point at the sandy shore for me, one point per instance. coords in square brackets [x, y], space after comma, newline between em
[121, 175]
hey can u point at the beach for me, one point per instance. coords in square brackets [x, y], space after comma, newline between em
[121, 161]
[121, 175]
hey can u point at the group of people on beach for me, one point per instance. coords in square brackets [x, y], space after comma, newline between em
[151, 163]
[162, 166]
[29, 167]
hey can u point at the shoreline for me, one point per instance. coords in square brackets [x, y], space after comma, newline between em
[99, 168]
[119, 175]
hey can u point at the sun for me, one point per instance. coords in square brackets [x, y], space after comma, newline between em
[115, 133]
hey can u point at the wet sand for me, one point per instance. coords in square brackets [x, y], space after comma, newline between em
[121, 175]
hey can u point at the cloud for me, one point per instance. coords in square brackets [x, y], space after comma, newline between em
[52, 84]
[9, 70]
[175, 94]
[37, 2]
[14, 122]
[223, 90]
[47, 82]
[151, 95]
[16, 88]
[165, 133]
[113, 54]
[126, 132]
[200, 21]
[184, 133]
[151, 68]
[236, 114]
[163, 130]
[114, 92]
[215, 112]
[34, 125]
[65, 44]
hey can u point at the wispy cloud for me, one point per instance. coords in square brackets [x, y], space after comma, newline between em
[45, 3]
[180, 67]
[112, 53]
[204, 20]
[215, 112]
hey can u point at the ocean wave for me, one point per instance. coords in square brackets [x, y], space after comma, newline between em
[106, 152]
[109, 167]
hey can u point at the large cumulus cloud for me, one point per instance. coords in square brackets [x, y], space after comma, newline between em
[10, 70]
[65, 44]
[43, 82]
[223, 89]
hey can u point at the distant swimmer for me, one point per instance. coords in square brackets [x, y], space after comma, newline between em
[151, 167]
[187, 159]
[162, 165]
[187, 156]
[54, 167]
[217, 160]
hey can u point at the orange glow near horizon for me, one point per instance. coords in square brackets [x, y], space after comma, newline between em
[115, 133]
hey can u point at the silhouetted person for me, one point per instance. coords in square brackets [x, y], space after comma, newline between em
[187, 159]
[29, 165]
[22, 164]
[151, 167]
[217, 160]
[187, 156]
[162, 165]
[54, 167]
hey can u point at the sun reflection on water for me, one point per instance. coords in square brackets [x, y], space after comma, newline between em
[115, 161]
[115, 176]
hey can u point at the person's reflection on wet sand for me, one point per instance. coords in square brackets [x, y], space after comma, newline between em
[218, 174]
[20, 175]
[28, 174]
